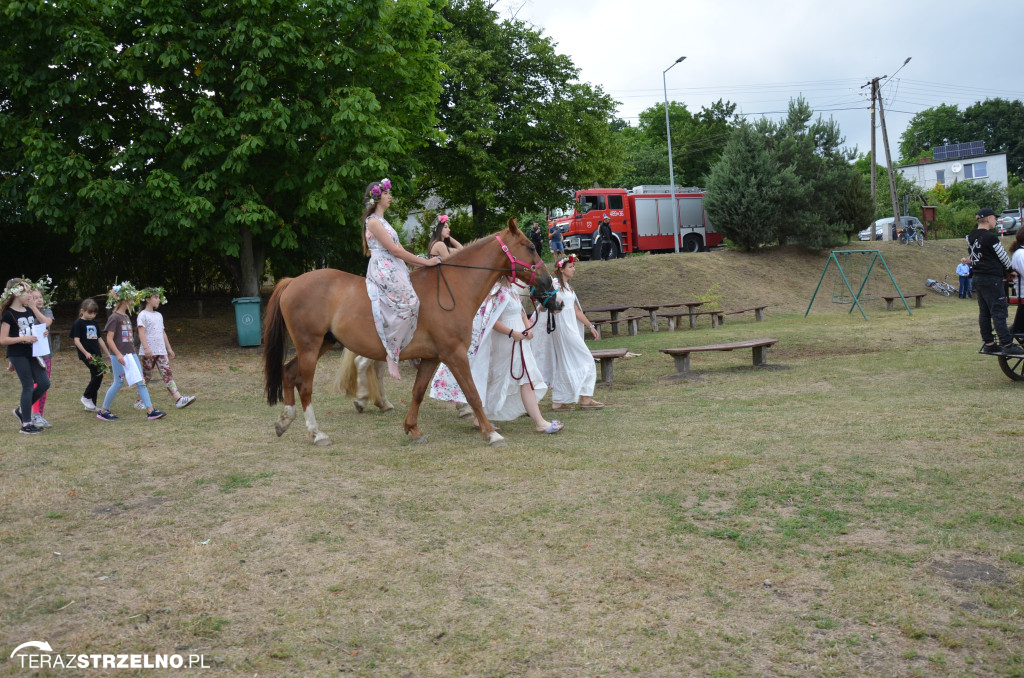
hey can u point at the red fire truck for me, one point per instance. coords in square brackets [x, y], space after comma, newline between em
[641, 220]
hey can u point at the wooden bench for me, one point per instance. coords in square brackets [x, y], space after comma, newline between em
[758, 312]
[607, 356]
[682, 355]
[716, 318]
[916, 297]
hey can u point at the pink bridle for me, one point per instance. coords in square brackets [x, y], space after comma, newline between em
[518, 262]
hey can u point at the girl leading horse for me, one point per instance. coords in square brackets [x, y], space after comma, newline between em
[327, 306]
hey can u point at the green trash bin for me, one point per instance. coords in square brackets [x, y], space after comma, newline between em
[247, 320]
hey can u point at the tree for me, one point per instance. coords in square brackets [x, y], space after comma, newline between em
[233, 128]
[1000, 124]
[519, 131]
[938, 126]
[809, 200]
[697, 139]
[748, 191]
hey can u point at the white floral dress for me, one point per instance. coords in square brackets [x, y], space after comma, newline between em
[444, 387]
[510, 369]
[565, 362]
[396, 308]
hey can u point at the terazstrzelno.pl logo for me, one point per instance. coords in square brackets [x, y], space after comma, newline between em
[36, 654]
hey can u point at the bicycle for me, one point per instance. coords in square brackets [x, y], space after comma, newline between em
[911, 234]
[942, 287]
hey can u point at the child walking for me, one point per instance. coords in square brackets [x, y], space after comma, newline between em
[17, 316]
[85, 332]
[118, 333]
[40, 300]
[156, 347]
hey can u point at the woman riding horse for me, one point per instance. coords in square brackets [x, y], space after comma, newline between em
[327, 306]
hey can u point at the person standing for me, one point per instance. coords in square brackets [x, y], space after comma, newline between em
[604, 233]
[396, 308]
[1017, 263]
[17, 316]
[963, 270]
[557, 244]
[85, 332]
[990, 263]
[43, 304]
[537, 237]
[156, 346]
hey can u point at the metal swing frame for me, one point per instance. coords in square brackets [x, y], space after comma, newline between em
[876, 257]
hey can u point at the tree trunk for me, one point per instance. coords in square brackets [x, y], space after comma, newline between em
[479, 219]
[251, 262]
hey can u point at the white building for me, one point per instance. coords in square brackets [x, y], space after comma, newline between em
[984, 167]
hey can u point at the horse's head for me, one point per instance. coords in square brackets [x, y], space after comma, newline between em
[528, 266]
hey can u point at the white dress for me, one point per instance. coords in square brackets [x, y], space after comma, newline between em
[512, 364]
[444, 387]
[565, 362]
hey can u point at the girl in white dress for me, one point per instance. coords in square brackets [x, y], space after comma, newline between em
[502, 363]
[563, 357]
[394, 302]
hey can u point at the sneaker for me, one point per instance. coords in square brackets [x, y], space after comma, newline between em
[88, 404]
[139, 405]
[17, 414]
[30, 429]
[990, 349]
[39, 422]
[1012, 350]
[156, 414]
[184, 401]
[106, 416]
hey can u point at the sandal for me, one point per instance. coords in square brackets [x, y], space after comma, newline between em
[592, 405]
[554, 427]
[562, 407]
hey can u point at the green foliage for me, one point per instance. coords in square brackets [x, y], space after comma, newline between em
[519, 131]
[785, 182]
[997, 122]
[235, 129]
[906, 190]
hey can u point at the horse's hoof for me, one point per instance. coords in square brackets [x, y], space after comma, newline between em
[422, 440]
[359, 406]
[322, 440]
[278, 430]
[465, 410]
[386, 407]
[495, 440]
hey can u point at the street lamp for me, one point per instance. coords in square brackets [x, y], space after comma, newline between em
[671, 171]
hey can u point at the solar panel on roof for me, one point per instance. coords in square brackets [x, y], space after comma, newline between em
[950, 151]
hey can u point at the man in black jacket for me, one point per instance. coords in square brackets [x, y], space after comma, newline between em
[604, 231]
[989, 264]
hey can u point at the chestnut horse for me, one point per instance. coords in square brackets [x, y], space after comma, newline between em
[326, 306]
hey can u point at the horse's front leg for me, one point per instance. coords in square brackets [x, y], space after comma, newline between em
[424, 373]
[459, 367]
[307, 360]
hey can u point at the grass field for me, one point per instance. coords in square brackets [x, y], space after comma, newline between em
[854, 509]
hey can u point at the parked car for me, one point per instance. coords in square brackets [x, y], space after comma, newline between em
[888, 221]
[1008, 222]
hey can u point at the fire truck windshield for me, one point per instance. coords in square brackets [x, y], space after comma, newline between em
[593, 202]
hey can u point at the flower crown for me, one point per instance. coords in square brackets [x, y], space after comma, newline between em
[443, 219]
[150, 291]
[24, 287]
[378, 190]
[46, 288]
[123, 291]
[571, 259]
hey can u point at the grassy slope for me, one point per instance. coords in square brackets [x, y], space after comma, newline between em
[783, 278]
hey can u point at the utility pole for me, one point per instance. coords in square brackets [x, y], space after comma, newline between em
[887, 234]
[873, 156]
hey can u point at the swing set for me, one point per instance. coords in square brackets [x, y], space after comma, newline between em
[856, 269]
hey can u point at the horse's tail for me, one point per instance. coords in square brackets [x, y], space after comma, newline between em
[273, 345]
[348, 375]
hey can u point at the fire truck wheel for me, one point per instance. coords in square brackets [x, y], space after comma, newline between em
[692, 243]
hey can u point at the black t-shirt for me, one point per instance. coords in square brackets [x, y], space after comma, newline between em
[986, 253]
[87, 332]
[19, 324]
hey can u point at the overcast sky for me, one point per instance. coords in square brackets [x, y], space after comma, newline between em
[759, 55]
